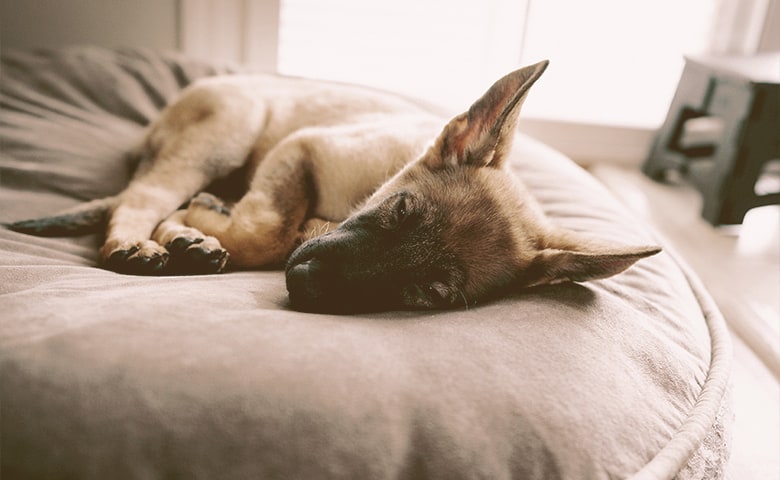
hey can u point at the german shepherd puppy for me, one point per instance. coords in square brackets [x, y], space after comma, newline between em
[430, 218]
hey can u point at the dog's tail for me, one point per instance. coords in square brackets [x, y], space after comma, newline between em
[89, 217]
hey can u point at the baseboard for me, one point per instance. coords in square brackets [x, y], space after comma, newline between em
[589, 144]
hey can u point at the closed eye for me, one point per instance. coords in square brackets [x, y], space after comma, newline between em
[434, 294]
[401, 208]
[437, 291]
[426, 295]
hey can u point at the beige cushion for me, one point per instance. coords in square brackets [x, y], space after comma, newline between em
[111, 376]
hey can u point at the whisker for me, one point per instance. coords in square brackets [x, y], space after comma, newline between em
[465, 300]
[317, 230]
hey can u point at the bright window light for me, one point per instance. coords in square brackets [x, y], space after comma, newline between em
[613, 62]
[446, 51]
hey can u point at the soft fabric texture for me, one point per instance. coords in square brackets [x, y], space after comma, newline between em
[105, 375]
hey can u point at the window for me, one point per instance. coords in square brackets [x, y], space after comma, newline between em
[446, 51]
[618, 62]
[613, 62]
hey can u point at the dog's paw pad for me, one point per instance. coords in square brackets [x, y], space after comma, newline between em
[212, 261]
[210, 202]
[146, 258]
[180, 244]
[147, 264]
[195, 256]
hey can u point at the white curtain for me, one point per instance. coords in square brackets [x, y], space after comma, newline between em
[738, 26]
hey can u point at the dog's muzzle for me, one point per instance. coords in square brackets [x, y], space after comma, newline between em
[303, 285]
[314, 277]
[332, 274]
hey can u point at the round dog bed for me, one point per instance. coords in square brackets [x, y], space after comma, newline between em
[111, 376]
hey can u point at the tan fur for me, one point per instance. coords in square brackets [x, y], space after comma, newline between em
[284, 132]
[314, 154]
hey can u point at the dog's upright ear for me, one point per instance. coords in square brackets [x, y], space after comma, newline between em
[483, 135]
[570, 257]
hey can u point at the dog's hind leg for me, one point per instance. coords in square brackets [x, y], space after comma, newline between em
[265, 225]
[205, 135]
[128, 247]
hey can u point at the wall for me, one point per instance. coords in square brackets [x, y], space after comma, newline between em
[770, 38]
[111, 23]
[243, 31]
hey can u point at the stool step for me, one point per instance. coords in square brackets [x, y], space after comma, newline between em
[721, 132]
[700, 132]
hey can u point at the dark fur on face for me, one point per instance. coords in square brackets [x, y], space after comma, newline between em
[451, 228]
[438, 241]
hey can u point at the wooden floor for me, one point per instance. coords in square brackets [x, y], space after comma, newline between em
[740, 266]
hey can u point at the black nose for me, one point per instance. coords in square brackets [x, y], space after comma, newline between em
[302, 284]
[328, 275]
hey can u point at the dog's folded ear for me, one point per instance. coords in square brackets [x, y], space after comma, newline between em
[483, 135]
[567, 261]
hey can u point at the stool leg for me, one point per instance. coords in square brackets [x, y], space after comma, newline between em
[739, 192]
[689, 100]
[732, 103]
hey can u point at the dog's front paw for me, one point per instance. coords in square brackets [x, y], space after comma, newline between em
[196, 255]
[136, 258]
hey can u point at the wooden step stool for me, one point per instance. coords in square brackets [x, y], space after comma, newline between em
[722, 133]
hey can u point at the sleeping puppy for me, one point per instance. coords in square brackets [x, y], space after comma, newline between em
[363, 196]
